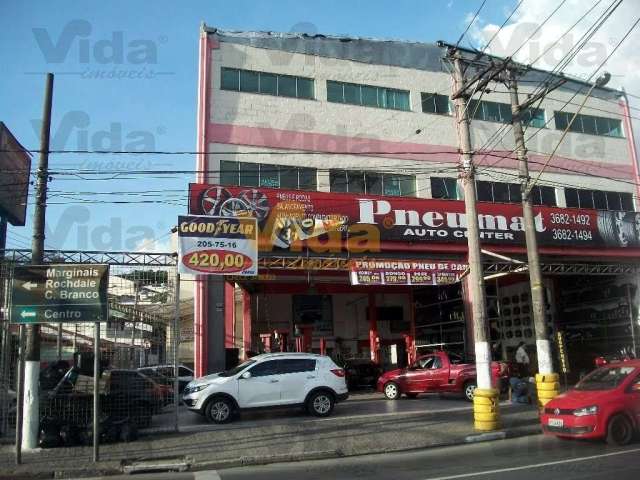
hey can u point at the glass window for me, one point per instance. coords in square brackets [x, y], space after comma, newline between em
[571, 197]
[308, 179]
[352, 93]
[505, 112]
[501, 192]
[269, 176]
[435, 103]
[269, 83]
[613, 201]
[407, 185]
[585, 198]
[401, 100]
[249, 81]
[184, 372]
[286, 86]
[484, 191]
[230, 79]
[338, 181]
[229, 172]
[444, 188]
[334, 92]
[600, 200]
[263, 369]
[369, 96]
[515, 193]
[588, 124]
[561, 119]
[548, 196]
[288, 178]
[373, 184]
[355, 182]
[491, 111]
[627, 202]
[249, 174]
[615, 128]
[297, 365]
[534, 117]
[305, 88]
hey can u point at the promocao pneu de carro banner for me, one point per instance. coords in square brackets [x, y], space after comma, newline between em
[217, 245]
[334, 222]
[405, 272]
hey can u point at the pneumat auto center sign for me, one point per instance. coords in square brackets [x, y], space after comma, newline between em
[334, 222]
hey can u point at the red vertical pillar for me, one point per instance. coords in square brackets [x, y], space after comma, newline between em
[246, 323]
[229, 314]
[374, 340]
[201, 305]
[323, 346]
[307, 338]
[411, 347]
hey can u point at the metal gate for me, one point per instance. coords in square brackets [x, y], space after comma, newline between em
[140, 375]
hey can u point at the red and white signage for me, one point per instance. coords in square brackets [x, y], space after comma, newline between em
[405, 272]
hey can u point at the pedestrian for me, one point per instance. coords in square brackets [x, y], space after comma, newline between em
[522, 359]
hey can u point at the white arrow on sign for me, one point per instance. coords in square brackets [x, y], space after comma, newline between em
[26, 314]
[29, 285]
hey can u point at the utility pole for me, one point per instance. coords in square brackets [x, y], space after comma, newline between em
[31, 423]
[486, 412]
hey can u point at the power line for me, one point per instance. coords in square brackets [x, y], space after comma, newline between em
[471, 22]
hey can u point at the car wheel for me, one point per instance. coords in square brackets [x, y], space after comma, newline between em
[411, 395]
[619, 431]
[468, 390]
[219, 410]
[392, 391]
[320, 404]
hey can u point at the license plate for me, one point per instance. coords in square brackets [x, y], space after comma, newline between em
[556, 422]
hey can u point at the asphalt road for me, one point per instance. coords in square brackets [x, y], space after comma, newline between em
[526, 458]
[359, 405]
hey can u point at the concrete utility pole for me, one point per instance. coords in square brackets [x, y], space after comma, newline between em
[486, 417]
[31, 423]
[545, 363]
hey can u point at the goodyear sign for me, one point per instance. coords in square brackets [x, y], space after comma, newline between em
[218, 245]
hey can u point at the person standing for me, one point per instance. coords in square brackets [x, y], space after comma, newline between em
[522, 359]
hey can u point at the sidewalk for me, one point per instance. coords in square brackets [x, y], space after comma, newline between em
[293, 439]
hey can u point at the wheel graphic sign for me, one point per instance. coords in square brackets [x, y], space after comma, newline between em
[218, 245]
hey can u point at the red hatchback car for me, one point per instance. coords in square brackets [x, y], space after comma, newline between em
[604, 404]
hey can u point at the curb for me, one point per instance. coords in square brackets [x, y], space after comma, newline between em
[521, 431]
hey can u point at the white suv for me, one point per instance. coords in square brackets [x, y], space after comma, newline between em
[269, 380]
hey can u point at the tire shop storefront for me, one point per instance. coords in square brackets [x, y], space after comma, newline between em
[362, 276]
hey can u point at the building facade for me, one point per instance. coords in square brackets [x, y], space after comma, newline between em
[346, 150]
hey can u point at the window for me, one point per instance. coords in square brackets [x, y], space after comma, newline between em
[297, 365]
[368, 95]
[268, 83]
[608, 127]
[498, 192]
[600, 200]
[263, 369]
[534, 117]
[543, 196]
[247, 174]
[435, 103]
[371, 183]
[489, 111]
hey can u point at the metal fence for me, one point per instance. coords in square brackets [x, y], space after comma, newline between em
[139, 376]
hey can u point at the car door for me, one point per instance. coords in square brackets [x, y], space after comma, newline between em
[633, 398]
[262, 388]
[416, 377]
[437, 375]
[298, 377]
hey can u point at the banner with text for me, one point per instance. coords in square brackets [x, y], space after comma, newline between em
[328, 222]
[405, 272]
[218, 245]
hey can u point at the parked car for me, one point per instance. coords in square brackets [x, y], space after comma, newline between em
[267, 381]
[604, 404]
[165, 374]
[439, 372]
[361, 373]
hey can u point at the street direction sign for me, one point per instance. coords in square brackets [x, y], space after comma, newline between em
[59, 293]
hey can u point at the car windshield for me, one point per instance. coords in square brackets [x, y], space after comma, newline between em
[238, 369]
[605, 378]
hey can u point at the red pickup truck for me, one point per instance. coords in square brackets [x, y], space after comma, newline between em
[438, 372]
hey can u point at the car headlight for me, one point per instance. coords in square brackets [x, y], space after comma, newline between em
[195, 388]
[581, 412]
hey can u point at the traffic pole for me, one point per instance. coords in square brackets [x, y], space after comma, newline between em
[546, 380]
[486, 401]
[31, 419]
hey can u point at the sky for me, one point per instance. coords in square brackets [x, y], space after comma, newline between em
[126, 79]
